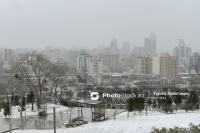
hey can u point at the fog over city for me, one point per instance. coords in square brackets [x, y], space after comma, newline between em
[90, 23]
[103, 66]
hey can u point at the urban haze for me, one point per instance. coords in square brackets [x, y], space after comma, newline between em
[90, 23]
[103, 66]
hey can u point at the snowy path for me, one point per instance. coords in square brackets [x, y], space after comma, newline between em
[29, 112]
[134, 124]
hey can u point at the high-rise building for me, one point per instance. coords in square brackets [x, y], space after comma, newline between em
[169, 66]
[144, 65]
[138, 49]
[111, 61]
[194, 60]
[148, 64]
[82, 60]
[134, 56]
[156, 65]
[182, 52]
[10, 55]
[95, 65]
[114, 46]
[126, 48]
[150, 44]
[71, 58]
[55, 55]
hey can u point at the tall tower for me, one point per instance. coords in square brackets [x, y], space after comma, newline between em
[114, 46]
[150, 44]
[183, 52]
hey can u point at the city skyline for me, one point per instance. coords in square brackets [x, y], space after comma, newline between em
[103, 66]
[34, 24]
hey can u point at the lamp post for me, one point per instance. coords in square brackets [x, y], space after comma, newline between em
[10, 112]
[26, 95]
[20, 79]
[146, 105]
[21, 100]
[54, 117]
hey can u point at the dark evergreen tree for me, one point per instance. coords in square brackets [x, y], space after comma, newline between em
[130, 104]
[177, 99]
[193, 98]
[16, 100]
[166, 104]
[7, 111]
[136, 103]
[161, 100]
[192, 102]
[154, 104]
[31, 99]
[149, 102]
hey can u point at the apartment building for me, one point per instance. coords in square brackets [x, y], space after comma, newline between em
[111, 61]
[95, 65]
[144, 65]
[169, 66]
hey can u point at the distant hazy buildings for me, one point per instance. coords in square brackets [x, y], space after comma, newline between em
[148, 64]
[55, 55]
[10, 55]
[169, 66]
[92, 65]
[150, 44]
[82, 60]
[183, 52]
[126, 61]
[149, 47]
[95, 65]
[114, 79]
[96, 51]
[138, 49]
[114, 44]
[144, 65]
[126, 49]
[113, 47]
[2, 54]
[71, 57]
[194, 60]
[156, 65]
[111, 61]
[134, 56]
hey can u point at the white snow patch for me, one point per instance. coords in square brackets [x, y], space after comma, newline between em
[139, 123]
[29, 112]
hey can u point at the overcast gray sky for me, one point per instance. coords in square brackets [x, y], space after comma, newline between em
[69, 23]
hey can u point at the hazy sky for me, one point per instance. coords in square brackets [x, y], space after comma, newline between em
[70, 23]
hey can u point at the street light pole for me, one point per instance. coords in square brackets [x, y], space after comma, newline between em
[146, 106]
[25, 104]
[10, 112]
[20, 79]
[21, 109]
[9, 118]
[54, 118]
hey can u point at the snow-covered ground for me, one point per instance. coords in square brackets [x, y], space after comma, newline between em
[134, 124]
[29, 112]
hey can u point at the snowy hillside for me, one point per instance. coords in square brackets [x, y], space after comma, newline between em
[134, 124]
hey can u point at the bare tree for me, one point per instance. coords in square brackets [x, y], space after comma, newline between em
[58, 78]
[34, 69]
